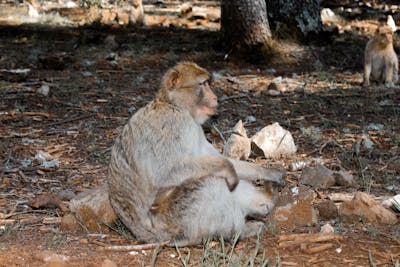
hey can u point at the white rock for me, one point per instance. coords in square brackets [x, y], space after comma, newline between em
[239, 129]
[32, 12]
[273, 92]
[70, 4]
[327, 229]
[50, 164]
[367, 143]
[393, 202]
[43, 90]
[249, 119]
[391, 23]
[327, 15]
[238, 145]
[42, 156]
[274, 141]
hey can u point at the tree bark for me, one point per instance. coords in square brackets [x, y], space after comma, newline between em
[244, 24]
[296, 17]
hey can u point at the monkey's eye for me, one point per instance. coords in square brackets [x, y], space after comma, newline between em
[205, 83]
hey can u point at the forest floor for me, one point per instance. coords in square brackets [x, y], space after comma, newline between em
[96, 82]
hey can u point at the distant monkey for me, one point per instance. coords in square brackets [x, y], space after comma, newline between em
[380, 60]
[163, 161]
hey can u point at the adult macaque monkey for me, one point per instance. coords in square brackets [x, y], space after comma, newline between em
[162, 154]
[380, 60]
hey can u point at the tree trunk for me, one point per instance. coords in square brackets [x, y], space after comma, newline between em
[296, 18]
[244, 25]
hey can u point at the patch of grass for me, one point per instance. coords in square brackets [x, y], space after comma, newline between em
[373, 232]
[154, 255]
[57, 240]
[225, 254]
[6, 230]
[312, 133]
[121, 229]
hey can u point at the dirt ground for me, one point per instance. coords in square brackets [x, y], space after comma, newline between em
[98, 76]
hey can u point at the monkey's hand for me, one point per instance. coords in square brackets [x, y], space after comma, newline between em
[230, 175]
[232, 182]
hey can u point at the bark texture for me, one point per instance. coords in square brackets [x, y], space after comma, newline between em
[244, 24]
[303, 16]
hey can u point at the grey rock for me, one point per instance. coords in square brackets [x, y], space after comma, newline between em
[318, 177]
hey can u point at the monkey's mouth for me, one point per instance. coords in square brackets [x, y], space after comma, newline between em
[209, 111]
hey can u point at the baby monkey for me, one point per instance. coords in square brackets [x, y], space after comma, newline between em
[204, 208]
[380, 60]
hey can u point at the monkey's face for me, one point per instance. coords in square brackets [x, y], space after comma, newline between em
[385, 36]
[207, 102]
[187, 86]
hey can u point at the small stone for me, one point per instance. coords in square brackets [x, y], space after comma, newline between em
[43, 90]
[250, 119]
[327, 229]
[375, 127]
[327, 15]
[273, 92]
[363, 208]
[239, 129]
[344, 178]
[273, 141]
[327, 210]
[368, 144]
[237, 147]
[393, 202]
[297, 166]
[318, 177]
[294, 211]
[42, 156]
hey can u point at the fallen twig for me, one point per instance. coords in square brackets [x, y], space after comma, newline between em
[31, 113]
[305, 240]
[318, 248]
[70, 120]
[308, 237]
[134, 247]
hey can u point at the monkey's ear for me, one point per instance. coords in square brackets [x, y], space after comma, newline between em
[172, 78]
